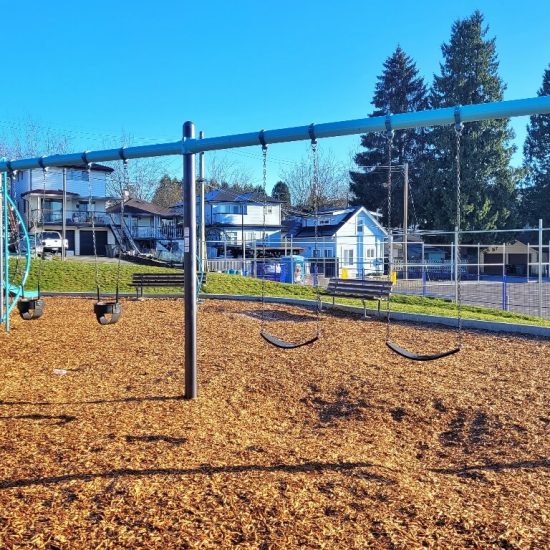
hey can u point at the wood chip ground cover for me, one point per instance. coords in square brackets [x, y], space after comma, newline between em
[336, 445]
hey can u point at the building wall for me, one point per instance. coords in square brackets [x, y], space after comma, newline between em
[230, 213]
[77, 182]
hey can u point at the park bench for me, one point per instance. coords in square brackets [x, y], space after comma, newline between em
[160, 280]
[362, 289]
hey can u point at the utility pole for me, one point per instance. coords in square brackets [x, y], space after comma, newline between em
[405, 216]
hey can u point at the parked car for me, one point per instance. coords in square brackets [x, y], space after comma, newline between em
[51, 241]
[36, 248]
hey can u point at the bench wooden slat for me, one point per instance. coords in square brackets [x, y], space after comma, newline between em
[361, 289]
[141, 280]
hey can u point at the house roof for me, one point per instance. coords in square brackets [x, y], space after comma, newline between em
[226, 195]
[325, 230]
[142, 206]
[49, 192]
[331, 229]
[93, 166]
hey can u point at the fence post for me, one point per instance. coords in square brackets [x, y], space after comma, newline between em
[540, 267]
[504, 293]
[478, 260]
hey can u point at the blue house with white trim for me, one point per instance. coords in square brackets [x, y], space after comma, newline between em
[350, 239]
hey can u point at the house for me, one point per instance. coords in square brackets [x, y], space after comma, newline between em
[39, 197]
[350, 241]
[231, 218]
[147, 227]
[519, 258]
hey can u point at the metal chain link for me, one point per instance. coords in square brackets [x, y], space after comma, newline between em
[41, 263]
[126, 185]
[315, 189]
[264, 159]
[458, 134]
[91, 213]
[389, 138]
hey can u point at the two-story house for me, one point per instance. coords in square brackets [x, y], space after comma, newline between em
[230, 218]
[350, 241]
[39, 197]
[147, 228]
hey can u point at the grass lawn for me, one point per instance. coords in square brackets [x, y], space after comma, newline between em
[57, 276]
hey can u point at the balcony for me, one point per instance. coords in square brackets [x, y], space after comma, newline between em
[77, 218]
[158, 233]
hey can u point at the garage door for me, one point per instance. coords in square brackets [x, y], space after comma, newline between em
[493, 269]
[87, 243]
[69, 235]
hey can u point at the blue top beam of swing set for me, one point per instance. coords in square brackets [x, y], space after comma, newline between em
[436, 117]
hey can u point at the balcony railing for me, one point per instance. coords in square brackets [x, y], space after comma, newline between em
[158, 233]
[72, 217]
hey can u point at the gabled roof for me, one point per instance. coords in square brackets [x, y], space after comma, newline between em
[331, 229]
[93, 166]
[142, 206]
[226, 195]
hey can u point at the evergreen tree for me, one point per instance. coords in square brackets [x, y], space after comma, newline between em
[469, 74]
[281, 192]
[536, 151]
[399, 89]
[168, 192]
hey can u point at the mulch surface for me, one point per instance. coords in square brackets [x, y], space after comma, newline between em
[340, 444]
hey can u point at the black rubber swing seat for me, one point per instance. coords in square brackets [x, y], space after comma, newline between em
[277, 342]
[107, 313]
[30, 308]
[416, 357]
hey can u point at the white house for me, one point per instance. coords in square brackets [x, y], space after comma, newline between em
[350, 241]
[230, 218]
[39, 197]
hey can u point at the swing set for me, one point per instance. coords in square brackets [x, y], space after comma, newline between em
[189, 146]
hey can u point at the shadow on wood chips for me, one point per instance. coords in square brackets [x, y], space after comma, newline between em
[340, 444]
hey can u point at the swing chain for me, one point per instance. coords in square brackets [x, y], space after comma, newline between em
[389, 140]
[315, 190]
[458, 134]
[264, 176]
[91, 213]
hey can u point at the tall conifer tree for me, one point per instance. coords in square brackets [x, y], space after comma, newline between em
[399, 89]
[536, 152]
[469, 75]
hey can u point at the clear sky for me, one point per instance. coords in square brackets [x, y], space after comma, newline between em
[95, 69]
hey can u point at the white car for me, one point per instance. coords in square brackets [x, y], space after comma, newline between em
[51, 241]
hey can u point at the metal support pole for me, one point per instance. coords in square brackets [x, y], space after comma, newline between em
[2, 248]
[5, 253]
[64, 214]
[540, 267]
[190, 265]
[405, 216]
[243, 243]
[478, 260]
[202, 237]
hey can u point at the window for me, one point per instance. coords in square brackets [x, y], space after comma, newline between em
[348, 256]
[370, 252]
[360, 226]
[328, 253]
[324, 221]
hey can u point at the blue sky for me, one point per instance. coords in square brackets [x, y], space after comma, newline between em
[94, 70]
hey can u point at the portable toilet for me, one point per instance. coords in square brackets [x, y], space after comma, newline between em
[293, 269]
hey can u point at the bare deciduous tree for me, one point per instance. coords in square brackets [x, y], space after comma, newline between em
[222, 171]
[140, 179]
[333, 182]
[30, 139]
